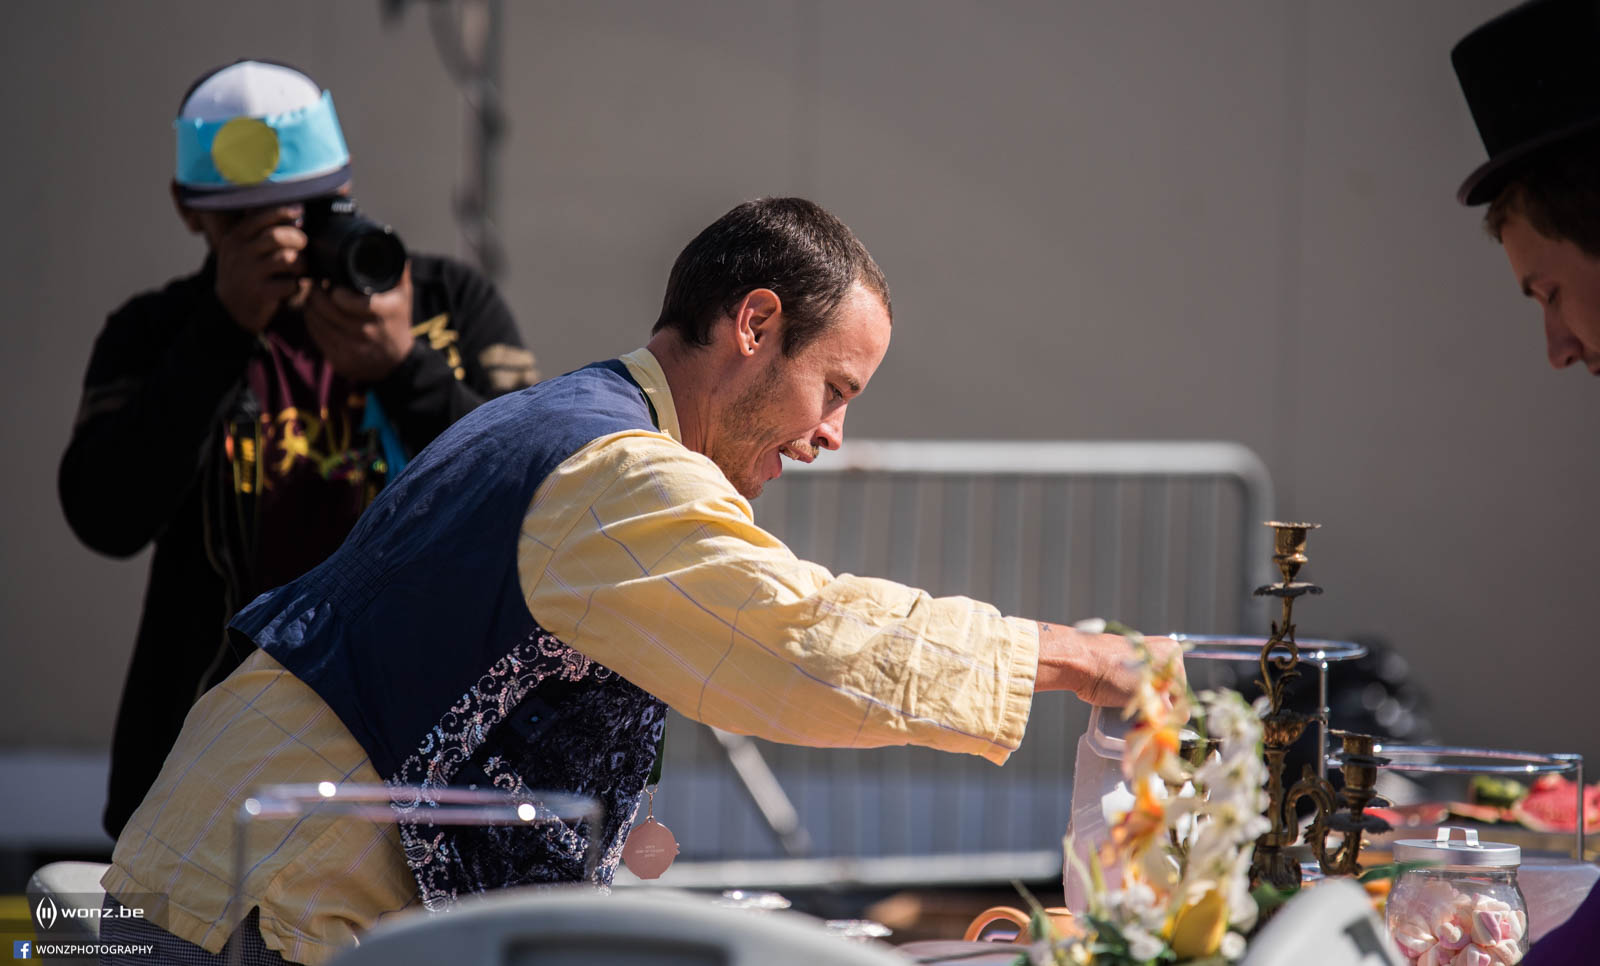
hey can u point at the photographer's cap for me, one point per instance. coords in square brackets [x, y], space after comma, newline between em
[257, 133]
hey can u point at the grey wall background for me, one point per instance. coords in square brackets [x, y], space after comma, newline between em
[1208, 220]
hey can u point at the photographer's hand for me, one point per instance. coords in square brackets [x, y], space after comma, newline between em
[258, 263]
[363, 336]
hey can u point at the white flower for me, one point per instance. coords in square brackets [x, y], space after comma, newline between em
[1242, 908]
[1136, 905]
[1232, 946]
[1137, 897]
[1227, 819]
[1142, 945]
[1202, 838]
[1118, 802]
[1160, 869]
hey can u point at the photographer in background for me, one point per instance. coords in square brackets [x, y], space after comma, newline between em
[243, 417]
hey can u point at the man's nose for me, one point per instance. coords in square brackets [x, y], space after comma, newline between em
[830, 434]
[1562, 347]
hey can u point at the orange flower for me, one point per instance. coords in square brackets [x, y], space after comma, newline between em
[1160, 698]
[1150, 750]
[1143, 825]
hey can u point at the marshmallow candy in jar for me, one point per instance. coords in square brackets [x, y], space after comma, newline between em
[1464, 908]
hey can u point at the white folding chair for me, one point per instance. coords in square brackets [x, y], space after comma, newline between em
[523, 927]
[62, 886]
[1330, 924]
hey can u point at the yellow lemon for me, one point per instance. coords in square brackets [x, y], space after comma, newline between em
[245, 150]
[1198, 929]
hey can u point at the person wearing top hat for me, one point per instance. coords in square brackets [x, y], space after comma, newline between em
[1531, 77]
[242, 417]
[1532, 81]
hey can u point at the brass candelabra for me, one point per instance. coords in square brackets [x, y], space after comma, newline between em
[1342, 811]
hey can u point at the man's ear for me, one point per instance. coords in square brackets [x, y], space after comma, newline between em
[189, 217]
[757, 320]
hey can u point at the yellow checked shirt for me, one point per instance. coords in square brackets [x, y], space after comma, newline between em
[639, 554]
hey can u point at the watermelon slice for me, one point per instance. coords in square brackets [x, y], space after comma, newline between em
[1493, 790]
[1412, 816]
[1551, 805]
[1487, 814]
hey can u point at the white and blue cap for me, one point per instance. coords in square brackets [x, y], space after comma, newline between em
[257, 133]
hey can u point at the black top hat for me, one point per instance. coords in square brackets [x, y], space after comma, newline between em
[1532, 80]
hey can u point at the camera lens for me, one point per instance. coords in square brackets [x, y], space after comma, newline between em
[374, 261]
[349, 249]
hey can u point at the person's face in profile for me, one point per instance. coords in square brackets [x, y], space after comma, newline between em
[1565, 281]
[790, 407]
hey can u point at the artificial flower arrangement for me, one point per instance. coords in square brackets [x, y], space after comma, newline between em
[1172, 882]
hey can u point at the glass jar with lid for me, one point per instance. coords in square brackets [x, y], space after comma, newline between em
[1463, 907]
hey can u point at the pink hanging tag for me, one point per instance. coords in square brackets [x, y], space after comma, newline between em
[650, 846]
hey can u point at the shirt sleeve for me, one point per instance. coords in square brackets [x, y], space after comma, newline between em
[638, 554]
[467, 350]
[160, 380]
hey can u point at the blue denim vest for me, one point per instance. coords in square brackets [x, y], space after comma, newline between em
[416, 633]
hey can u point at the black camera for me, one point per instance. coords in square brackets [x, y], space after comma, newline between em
[347, 248]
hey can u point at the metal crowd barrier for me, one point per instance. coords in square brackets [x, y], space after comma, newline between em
[1164, 536]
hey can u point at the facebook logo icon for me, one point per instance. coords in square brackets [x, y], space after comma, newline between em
[21, 949]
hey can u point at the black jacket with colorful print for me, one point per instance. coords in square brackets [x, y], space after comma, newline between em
[245, 460]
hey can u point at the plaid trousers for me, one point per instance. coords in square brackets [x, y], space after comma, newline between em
[172, 951]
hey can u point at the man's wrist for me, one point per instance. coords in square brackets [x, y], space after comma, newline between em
[1062, 653]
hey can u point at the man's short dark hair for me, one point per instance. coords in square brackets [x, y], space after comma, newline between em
[1559, 195]
[789, 245]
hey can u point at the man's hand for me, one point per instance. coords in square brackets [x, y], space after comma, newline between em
[259, 264]
[363, 336]
[1097, 667]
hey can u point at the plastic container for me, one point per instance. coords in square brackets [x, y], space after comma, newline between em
[1095, 772]
[1465, 908]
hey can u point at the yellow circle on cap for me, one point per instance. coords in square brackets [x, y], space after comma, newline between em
[245, 150]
